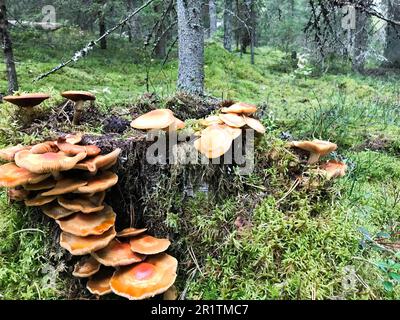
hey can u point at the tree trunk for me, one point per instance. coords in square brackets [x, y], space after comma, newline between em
[228, 24]
[360, 44]
[191, 47]
[252, 13]
[8, 51]
[392, 50]
[212, 9]
[102, 28]
[160, 46]
[135, 33]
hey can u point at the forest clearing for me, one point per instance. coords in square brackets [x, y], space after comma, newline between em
[315, 217]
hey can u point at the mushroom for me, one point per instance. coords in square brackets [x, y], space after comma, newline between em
[12, 176]
[73, 138]
[65, 185]
[44, 147]
[17, 194]
[211, 120]
[8, 153]
[171, 294]
[39, 200]
[99, 283]
[317, 148]
[130, 232]
[99, 162]
[240, 107]
[79, 246]
[83, 203]
[27, 102]
[79, 97]
[334, 169]
[47, 162]
[146, 244]
[214, 142]
[83, 225]
[145, 279]
[176, 125]
[43, 185]
[233, 120]
[117, 254]
[86, 267]
[156, 119]
[55, 211]
[234, 132]
[99, 183]
[255, 124]
[74, 149]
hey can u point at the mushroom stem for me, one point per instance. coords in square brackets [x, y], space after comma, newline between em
[314, 157]
[26, 115]
[78, 108]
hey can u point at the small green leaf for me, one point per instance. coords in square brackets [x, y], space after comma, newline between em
[388, 286]
[394, 276]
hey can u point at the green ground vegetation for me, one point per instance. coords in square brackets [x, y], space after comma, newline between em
[303, 244]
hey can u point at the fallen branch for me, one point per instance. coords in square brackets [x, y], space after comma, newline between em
[84, 52]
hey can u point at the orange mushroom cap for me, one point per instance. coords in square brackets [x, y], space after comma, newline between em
[86, 267]
[117, 254]
[240, 107]
[39, 200]
[8, 153]
[43, 185]
[74, 149]
[47, 162]
[12, 176]
[73, 138]
[28, 100]
[156, 119]
[145, 279]
[232, 120]
[214, 142]
[17, 194]
[55, 211]
[99, 283]
[83, 225]
[255, 124]
[99, 183]
[146, 244]
[130, 232]
[211, 120]
[334, 169]
[78, 95]
[317, 148]
[85, 204]
[234, 132]
[99, 162]
[65, 185]
[44, 147]
[79, 246]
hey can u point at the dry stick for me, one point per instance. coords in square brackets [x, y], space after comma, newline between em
[82, 53]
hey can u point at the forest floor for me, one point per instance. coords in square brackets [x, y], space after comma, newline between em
[335, 243]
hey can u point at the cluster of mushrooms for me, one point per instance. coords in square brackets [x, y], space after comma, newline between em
[68, 182]
[219, 132]
[221, 129]
[30, 100]
[318, 148]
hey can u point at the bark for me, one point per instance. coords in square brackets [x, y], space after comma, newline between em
[212, 8]
[135, 32]
[160, 49]
[392, 50]
[228, 25]
[252, 20]
[360, 41]
[102, 30]
[7, 48]
[191, 47]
